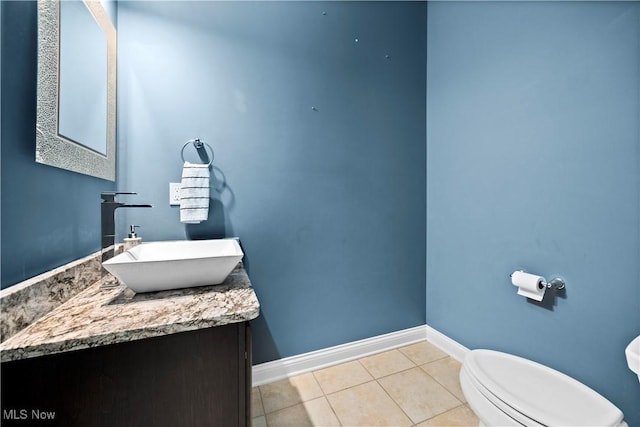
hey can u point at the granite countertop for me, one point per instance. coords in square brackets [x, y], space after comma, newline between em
[100, 316]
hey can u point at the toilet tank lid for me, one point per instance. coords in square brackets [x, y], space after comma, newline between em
[539, 392]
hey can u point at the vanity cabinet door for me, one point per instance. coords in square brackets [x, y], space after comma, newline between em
[195, 378]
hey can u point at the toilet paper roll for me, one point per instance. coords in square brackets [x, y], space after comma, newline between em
[529, 285]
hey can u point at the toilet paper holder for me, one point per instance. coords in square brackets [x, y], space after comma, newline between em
[557, 283]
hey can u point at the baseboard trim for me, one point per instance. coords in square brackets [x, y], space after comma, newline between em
[265, 373]
[446, 344]
[295, 365]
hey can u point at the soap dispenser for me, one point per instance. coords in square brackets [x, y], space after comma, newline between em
[133, 239]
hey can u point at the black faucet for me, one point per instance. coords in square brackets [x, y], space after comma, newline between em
[108, 208]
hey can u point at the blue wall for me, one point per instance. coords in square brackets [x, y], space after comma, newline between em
[329, 204]
[533, 161]
[49, 216]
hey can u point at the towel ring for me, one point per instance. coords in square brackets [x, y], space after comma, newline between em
[197, 144]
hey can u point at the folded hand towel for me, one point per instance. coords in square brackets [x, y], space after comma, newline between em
[194, 195]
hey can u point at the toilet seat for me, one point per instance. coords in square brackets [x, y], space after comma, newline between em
[533, 394]
[482, 396]
[488, 413]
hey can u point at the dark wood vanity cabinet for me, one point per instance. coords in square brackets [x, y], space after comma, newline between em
[195, 378]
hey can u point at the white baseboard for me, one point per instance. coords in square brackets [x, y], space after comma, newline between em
[446, 344]
[295, 365]
[265, 373]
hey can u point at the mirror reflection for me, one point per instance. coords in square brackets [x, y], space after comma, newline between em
[82, 115]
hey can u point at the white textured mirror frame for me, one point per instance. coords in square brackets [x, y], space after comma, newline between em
[51, 148]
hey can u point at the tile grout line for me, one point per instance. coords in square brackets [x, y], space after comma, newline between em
[426, 419]
[436, 380]
[396, 403]
[288, 406]
[302, 401]
[393, 373]
[264, 411]
[313, 373]
[333, 411]
[373, 379]
[385, 390]
[326, 395]
[414, 423]
[444, 387]
[402, 370]
[424, 371]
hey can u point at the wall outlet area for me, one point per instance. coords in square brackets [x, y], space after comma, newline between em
[174, 193]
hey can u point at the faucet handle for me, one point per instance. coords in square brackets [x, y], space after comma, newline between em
[110, 196]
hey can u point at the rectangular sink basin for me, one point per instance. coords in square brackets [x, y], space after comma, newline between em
[160, 266]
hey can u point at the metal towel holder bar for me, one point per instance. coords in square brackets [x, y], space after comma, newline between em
[198, 145]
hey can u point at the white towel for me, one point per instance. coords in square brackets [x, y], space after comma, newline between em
[194, 194]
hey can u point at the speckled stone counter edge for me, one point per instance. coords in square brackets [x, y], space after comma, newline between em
[26, 302]
[100, 316]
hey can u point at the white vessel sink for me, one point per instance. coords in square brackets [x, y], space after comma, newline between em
[160, 266]
[633, 356]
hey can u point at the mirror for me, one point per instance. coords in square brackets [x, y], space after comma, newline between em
[82, 91]
[76, 105]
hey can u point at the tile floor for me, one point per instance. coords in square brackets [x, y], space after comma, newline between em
[416, 385]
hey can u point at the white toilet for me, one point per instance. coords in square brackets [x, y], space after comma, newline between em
[507, 390]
